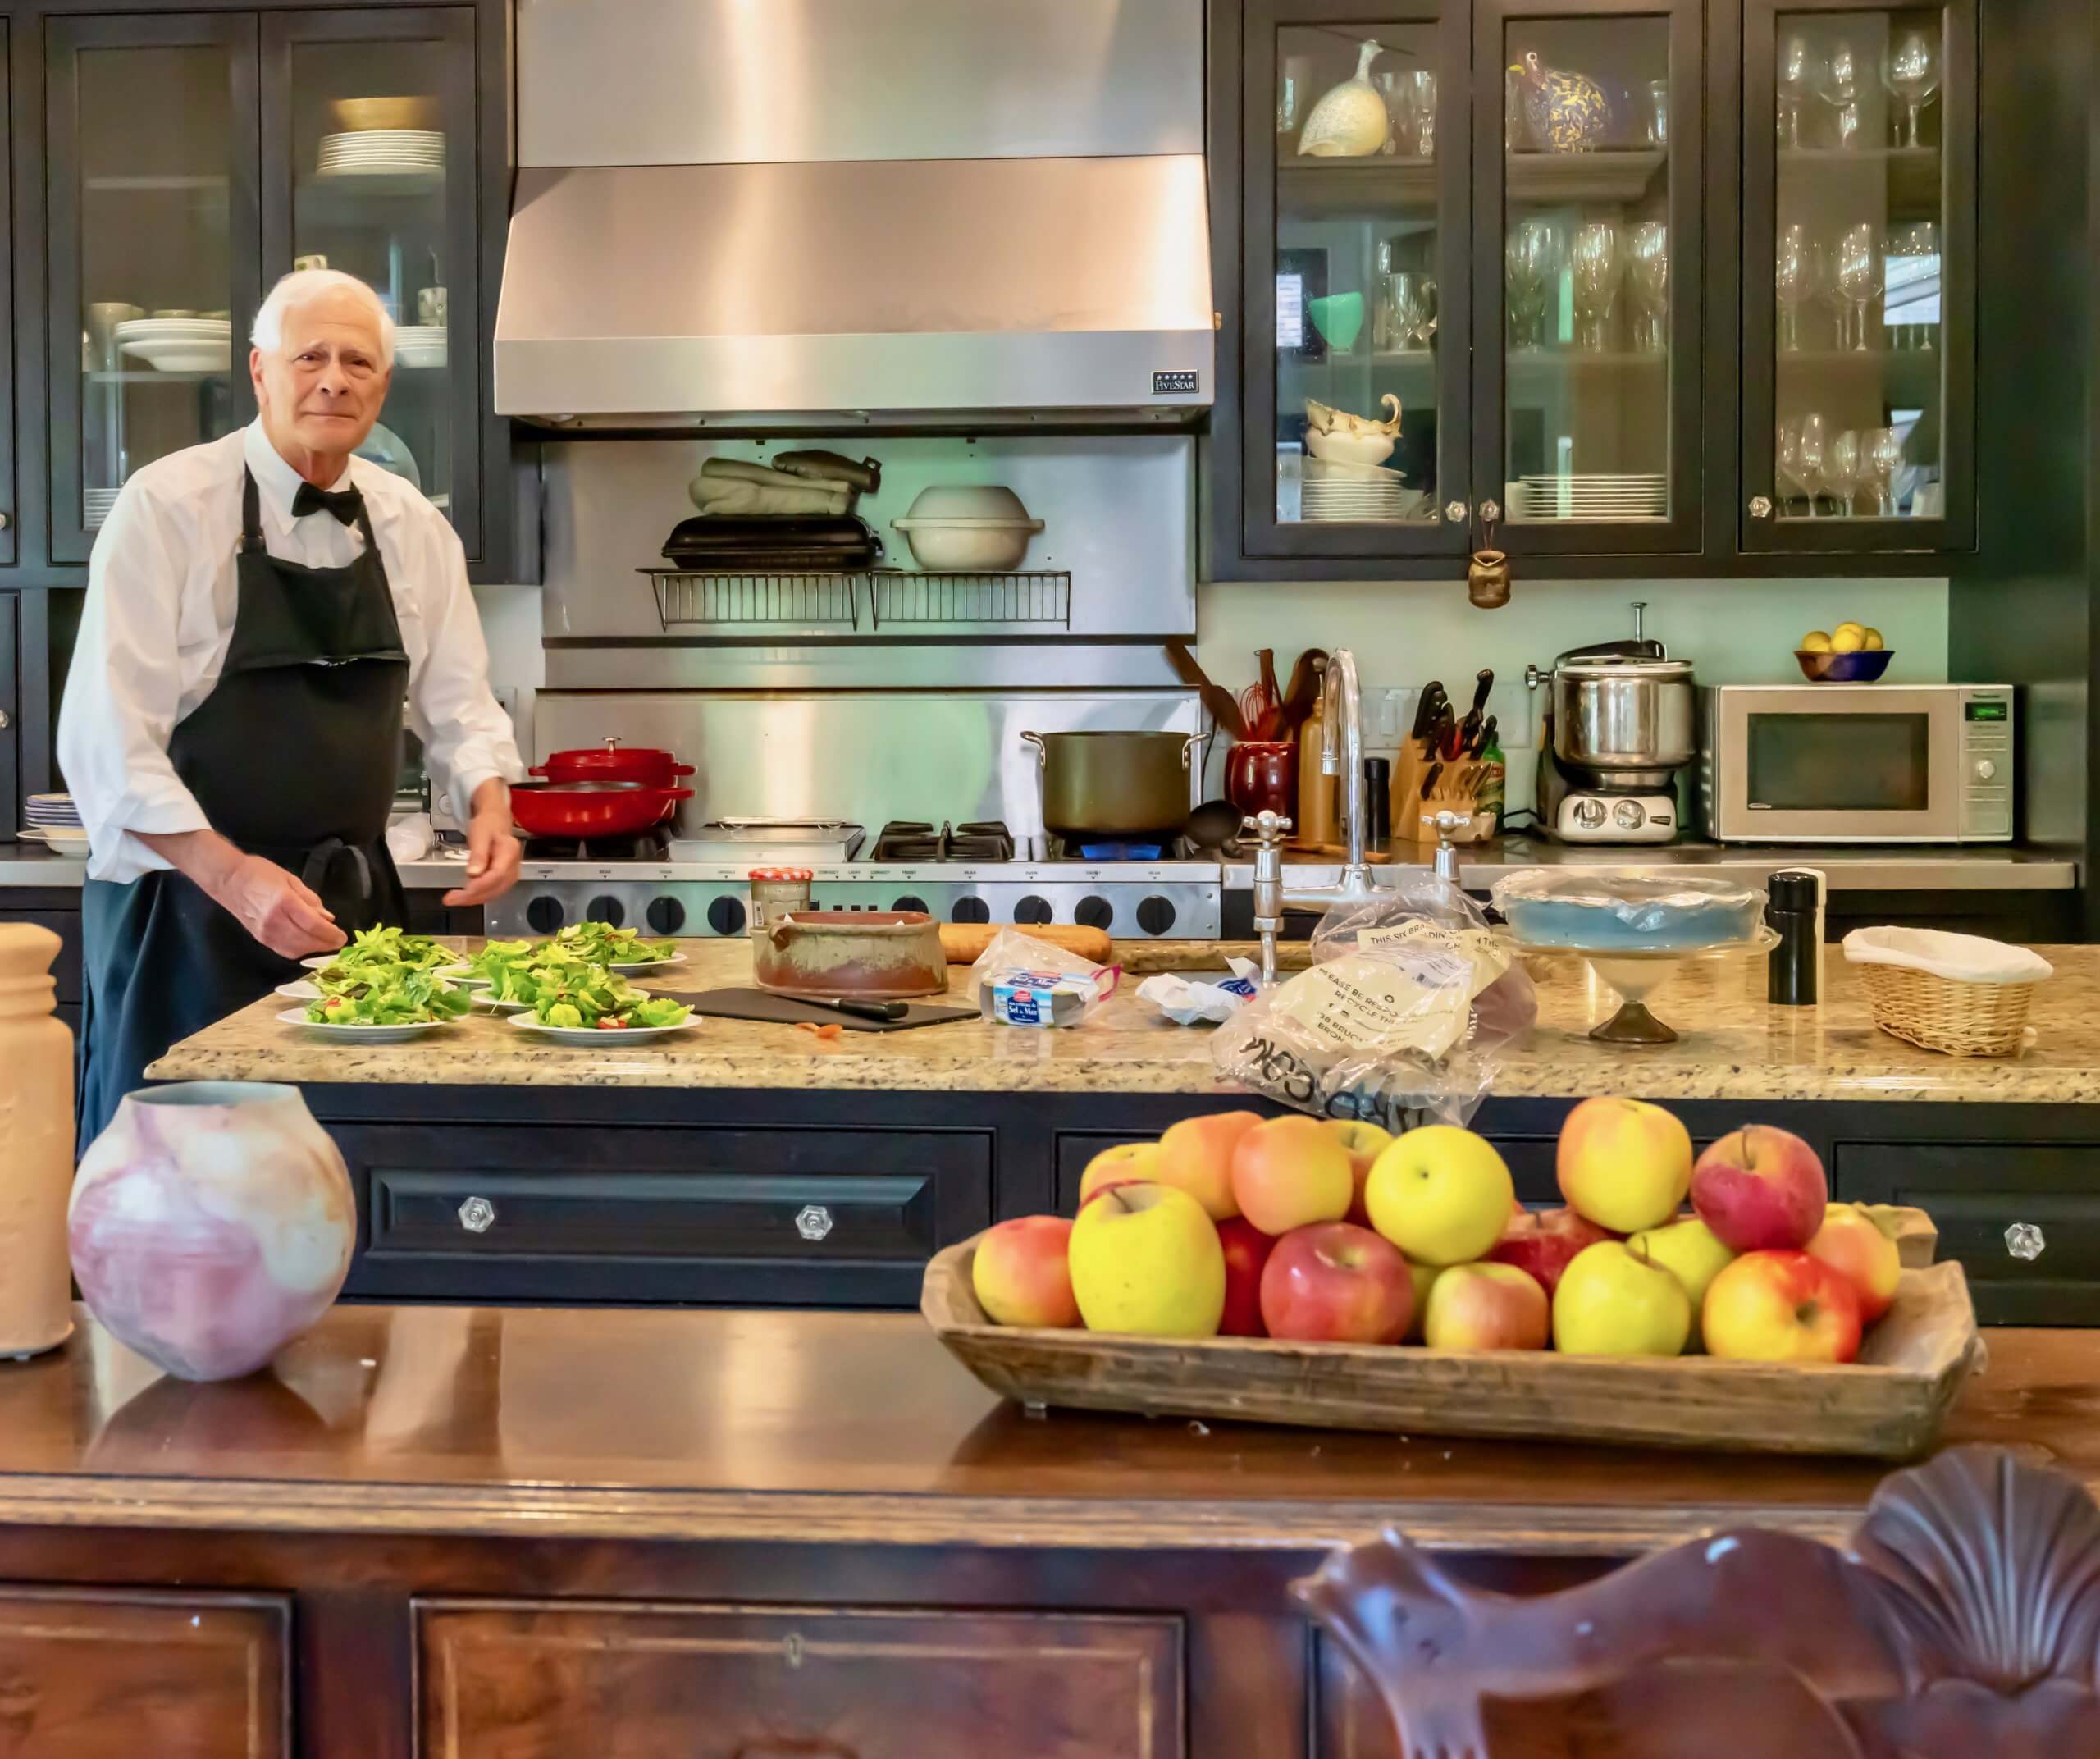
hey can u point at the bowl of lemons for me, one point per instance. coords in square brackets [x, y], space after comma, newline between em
[1849, 654]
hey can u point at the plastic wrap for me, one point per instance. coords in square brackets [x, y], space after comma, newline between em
[1626, 909]
[1188, 1002]
[1022, 981]
[1401, 1020]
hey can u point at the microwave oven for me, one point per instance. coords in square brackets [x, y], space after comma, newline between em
[1857, 763]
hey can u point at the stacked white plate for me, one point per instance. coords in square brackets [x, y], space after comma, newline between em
[46, 810]
[1337, 491]
[95, 504]
[419, 345]
[383, 153]
[1591, 497]
[179, 345]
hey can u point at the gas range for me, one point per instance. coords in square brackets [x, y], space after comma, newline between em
[968, 873]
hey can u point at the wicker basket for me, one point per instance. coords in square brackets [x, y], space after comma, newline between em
[1938, 1013]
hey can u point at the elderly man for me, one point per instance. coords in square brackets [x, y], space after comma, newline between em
[259, 610]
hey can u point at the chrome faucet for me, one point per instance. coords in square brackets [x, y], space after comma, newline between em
[1341, 753]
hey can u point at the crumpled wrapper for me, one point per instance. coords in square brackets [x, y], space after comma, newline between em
[1189, 1003]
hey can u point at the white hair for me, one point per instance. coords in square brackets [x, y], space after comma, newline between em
[301, 287]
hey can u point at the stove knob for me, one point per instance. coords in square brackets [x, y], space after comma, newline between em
[1094, 912]
[909, 902]
[667, 915]
[725, 915]
[609, 911]
[544, 914]
[1032, 909]
[970, 910]
[1155, 915]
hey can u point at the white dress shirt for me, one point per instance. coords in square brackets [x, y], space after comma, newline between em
[159, 617]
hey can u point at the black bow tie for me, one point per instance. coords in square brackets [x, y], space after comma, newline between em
[345, 505]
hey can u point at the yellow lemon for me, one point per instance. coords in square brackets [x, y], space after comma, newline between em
[1874, 642]
[1816, 642]
[1849, 639]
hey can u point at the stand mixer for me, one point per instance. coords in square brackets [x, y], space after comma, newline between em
[1620, 721]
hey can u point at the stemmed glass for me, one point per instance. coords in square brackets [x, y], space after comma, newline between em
[1794, 79]
[1787, 461]
[1595, 258]
[1884, 448]
[1910, 70]
[1796, 271]
[1418, 109]
[1648, 272]
[1837, 85]
[1861, 276]
[1811, 455]
[1530, 259]
[1843, 471]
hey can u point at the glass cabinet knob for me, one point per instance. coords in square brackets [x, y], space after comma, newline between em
[5, 521]
[1455, 511]
[478, 1215]
[1490, 512]
[1760, 506]
[813, 1221]
[2024, 1239]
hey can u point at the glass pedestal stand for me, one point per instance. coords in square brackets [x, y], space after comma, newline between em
[1633, 974]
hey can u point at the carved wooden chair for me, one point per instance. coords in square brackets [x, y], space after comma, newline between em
[1963, 1622]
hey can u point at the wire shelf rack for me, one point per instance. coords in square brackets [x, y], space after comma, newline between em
[895, 599]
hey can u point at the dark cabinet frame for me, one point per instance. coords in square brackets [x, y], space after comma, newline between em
[1958, 93]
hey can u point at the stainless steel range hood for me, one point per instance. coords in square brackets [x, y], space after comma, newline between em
[806, 213]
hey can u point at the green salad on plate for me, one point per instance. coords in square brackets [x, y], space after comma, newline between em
[389, 996]
[387, 948]
[564, 989]
[601, 943]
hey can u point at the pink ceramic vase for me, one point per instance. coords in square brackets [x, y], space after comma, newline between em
[211, 1224]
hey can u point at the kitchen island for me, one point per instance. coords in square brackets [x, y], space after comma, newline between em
[755, 1164]
[478, 1533]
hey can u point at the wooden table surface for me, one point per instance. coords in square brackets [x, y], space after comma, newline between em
[857, 1427]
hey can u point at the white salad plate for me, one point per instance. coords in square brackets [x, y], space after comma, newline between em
[599, 1035]
[296, 1016]
[321, 961]
[635, 968]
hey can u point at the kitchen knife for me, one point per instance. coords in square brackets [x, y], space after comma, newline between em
[859, 1010]
[1425, 709]
[1485, 737]
[1482, 683]
[1429, 780]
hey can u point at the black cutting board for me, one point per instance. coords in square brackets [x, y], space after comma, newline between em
[784, 1010]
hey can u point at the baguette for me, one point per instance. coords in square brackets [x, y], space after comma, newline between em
[964, 943]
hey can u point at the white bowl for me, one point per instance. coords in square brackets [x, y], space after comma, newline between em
[977, 528]
[1349, 449]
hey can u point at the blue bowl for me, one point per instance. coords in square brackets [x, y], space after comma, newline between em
[1861, 667]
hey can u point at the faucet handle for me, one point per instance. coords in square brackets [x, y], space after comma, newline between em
[1268, 829]
[1448, 824]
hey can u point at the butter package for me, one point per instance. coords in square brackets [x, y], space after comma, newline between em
[1023, 998]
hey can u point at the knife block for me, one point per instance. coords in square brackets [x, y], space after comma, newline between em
[1457, 789]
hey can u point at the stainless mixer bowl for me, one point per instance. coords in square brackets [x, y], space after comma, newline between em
[1629, 723]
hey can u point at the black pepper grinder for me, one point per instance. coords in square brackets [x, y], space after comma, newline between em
[1378, 802]
[1793, 908]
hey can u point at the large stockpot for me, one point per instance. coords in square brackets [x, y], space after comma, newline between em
[1629, 720]
[1115, 784]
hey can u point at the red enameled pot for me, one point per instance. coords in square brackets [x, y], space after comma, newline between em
[592, 809]
[614, 762]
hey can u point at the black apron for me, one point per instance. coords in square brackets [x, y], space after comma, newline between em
[292, 756]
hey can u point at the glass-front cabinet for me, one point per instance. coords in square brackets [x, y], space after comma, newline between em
[1357, 316]
[1860, 157]
[192, 159]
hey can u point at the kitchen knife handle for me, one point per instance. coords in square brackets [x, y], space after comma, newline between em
[861, 1010]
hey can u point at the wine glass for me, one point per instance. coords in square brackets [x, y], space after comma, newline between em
[1841, 469]
[1792, 81]
[1531, 259]
[1884, 458]
[1862, 274]
[1811, 456]
[1414, 307]
[1594, 257]
[1648, 272]
[1910, 70]
[1787, 462]
[1796, 271]
[1418, 90]
[1837, 85]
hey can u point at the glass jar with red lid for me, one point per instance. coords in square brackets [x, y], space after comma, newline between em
[775, 892]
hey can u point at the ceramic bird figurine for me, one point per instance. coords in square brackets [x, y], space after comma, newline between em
[1350, 121]
[1567, 112]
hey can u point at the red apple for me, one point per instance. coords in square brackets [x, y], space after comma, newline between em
[1290, 1172]
[1364, 1143]
[1247, 1251]
[1851, 1242]
[1195, 1156]
[1021, 1274]
[1336, 1283]
[1542, 1246]
[1781, 1307]
[1761, 1190]
[1624, 1163]
[1487, 1307]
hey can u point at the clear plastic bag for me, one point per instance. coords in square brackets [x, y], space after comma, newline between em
[1401, 1020]
[1021, 980]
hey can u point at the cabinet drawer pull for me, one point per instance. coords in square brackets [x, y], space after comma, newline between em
[478, 1215]
[2024, 1239]
[813, 1221]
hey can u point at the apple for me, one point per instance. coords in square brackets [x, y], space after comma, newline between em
[1623, 1164]
[1688, 1248]
[1488, 1306]
[1781, 1307]
[1424, 1277]
[1336, 1283]
[1851, 1242]
[1291, 1172]
[1145, 1259]
[1364, 1143]
[1247, 1249]
[1195, 1156]
[1761, 1190]
[1021, 1275]
[1612, 1302]
[1126, 1160]
[1544, 1245]
[1441, 1194]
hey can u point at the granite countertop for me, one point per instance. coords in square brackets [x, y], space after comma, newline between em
[1735, 1045]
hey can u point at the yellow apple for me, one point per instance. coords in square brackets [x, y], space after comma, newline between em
[1690, 1249]
[1612, 1303]
[1816, 642]
[1623, 1164]
[1441, 1194]
[1487, 1307]
[1424, 1276]
[1847, 638]
[1126, 1160]
[1145, 1259]
[1874, 643]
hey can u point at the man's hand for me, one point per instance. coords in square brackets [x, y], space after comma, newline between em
[272, 906]
[493, 852]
